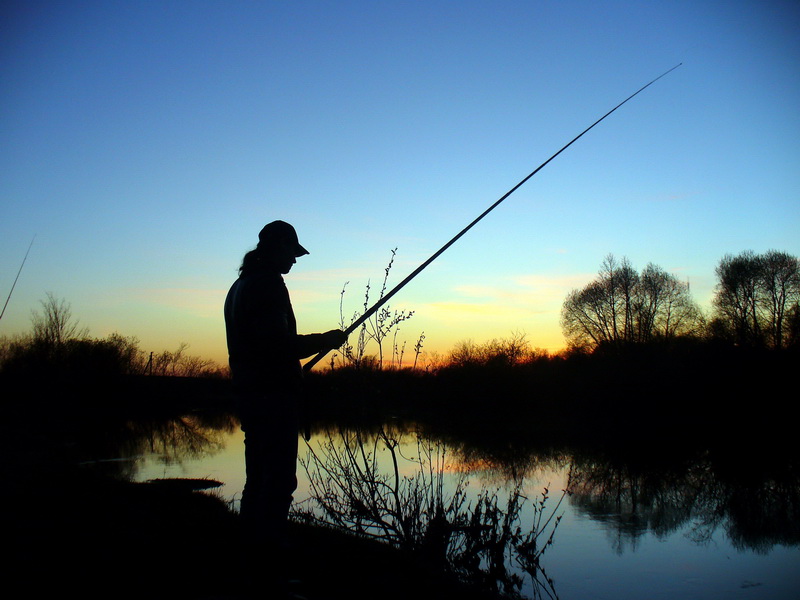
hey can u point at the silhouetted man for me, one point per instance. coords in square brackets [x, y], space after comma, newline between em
[264, 352]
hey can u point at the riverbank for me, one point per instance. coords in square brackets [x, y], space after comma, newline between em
[75, 530]
[99, 539]
[78, 527]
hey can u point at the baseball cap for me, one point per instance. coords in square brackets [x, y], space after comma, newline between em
[280, 232]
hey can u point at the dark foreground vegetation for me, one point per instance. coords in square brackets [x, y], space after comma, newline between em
[77, 526]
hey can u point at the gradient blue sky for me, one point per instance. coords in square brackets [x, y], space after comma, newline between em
[144, 144]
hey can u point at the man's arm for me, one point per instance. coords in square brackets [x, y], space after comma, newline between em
[319, 342]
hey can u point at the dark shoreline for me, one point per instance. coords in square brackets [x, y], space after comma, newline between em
[75, 530]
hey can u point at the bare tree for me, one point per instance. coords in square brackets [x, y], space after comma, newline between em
[780, 290]
[585, 320]
[755, 296]
[55, 325]
[622, 305]
[665, 307]
[622, 285]
[736, 300]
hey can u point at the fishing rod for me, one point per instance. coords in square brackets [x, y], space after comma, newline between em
[17, 277]
[310, 364]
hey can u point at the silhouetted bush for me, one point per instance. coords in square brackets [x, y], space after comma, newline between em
[74, 358]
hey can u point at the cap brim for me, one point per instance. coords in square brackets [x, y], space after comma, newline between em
[300, 251]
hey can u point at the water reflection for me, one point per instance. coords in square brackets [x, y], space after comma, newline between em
[752, 497]
[464, 502]
[754, 505]
[116, 446]
[479, 536]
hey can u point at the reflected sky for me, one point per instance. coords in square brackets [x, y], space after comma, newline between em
[604, 546]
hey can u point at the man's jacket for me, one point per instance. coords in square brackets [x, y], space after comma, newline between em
[264, 349]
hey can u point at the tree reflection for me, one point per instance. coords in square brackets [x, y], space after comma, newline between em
[362, 483]
[754, 507]
[171, 439]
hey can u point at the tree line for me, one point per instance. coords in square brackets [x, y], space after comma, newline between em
[58, 345]
[755, 304]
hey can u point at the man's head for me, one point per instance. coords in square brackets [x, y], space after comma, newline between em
[279, 234]
[277, 242]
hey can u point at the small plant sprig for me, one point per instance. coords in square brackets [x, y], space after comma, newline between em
[418, 348]
[375, 329]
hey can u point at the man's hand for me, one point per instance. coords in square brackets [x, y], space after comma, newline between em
[334, 338]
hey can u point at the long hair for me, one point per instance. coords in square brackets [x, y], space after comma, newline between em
[251, 262]
[256, 259]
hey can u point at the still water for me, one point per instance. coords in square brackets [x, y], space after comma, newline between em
[700, 528]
